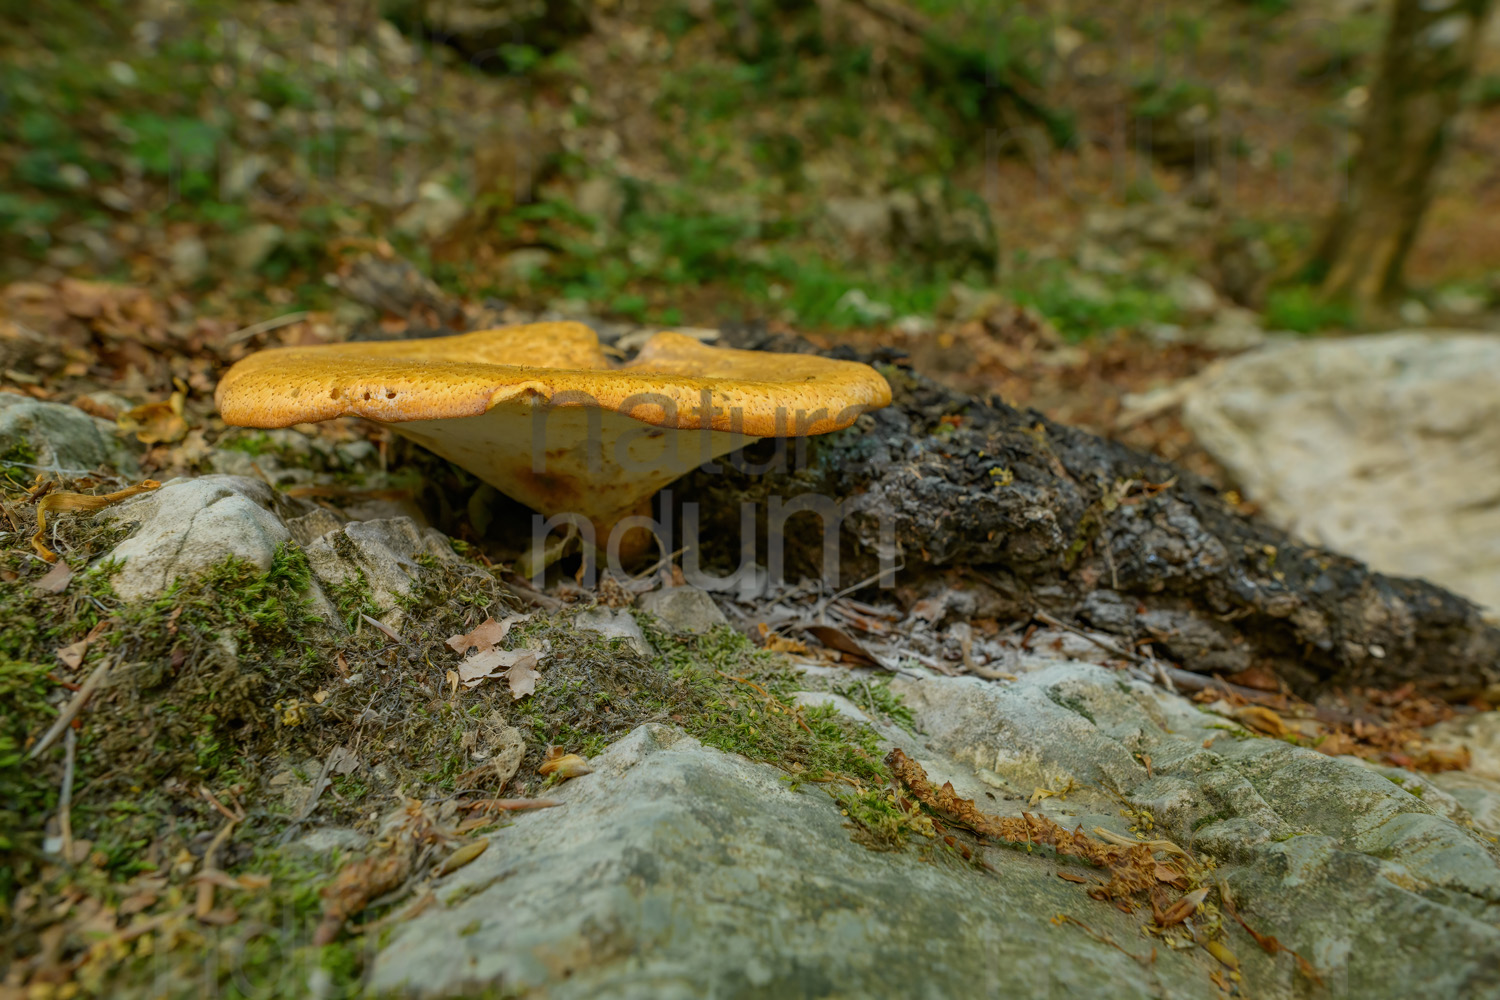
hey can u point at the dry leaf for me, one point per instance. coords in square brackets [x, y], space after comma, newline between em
[486, 635]
[72, 655]
[1261, 719]
[494, 663]
[564, 765]
[523, 677]
[464, 855]
[56, 579]
[837, 638]
[1069, 877]
[512, 805]
[1183, 908]
[156, 423]
[78, 503]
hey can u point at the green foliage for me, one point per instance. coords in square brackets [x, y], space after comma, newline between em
[1303, 309]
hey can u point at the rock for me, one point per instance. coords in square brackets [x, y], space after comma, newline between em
[187, 259]
[249, 248]
[864, 222]
[840, 704]
[62, 437]
[1193, 297]
[525, 264]
[1329, 855]
[934, 222]
[327, 840]
[601, 198]
[1478, 786]
[385, 552]
[394, 286]
[482, 29]
[434, 215]
[684, 609]
[614, 623]
[678, 871]
[1380, 446]
[190, 525]
[314, 524]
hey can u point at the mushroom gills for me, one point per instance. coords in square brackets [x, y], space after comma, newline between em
[560, 460]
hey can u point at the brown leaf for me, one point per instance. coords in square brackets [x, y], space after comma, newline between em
[1183, 908]
[523, 677]
[156, 423]
[1261, 719]
[72, 655]
[486, 635]
[564, 765]
[482, 666]
[463, 856]
[56, 579]
[837, 638]
[1069, 877]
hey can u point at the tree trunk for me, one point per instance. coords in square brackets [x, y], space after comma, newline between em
[1429, 53]
[1020, 515]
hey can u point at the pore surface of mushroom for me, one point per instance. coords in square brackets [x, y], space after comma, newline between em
[543, 415]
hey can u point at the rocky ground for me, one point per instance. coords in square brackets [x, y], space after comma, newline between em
[318, 742]
[279, 718]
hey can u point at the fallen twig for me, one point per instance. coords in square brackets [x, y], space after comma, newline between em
[70, 710]
[65, 797]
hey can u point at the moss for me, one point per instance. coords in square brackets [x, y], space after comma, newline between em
[1072, 704]
[876, 698]
[351, 598]
[879, 822]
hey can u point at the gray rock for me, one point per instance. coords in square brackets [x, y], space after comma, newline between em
[250, 247]
[384, 551]
[614, 623]
[1356, 872]
[677, 871]
[1380, 446]
[329, 839]
[191, 524]
[313, 525]
[684, 609]
[526, 263]
[435, 214]
[188, 260]
[1477, 786]
[63, 437]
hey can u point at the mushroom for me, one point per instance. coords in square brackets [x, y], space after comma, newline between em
[540, 413]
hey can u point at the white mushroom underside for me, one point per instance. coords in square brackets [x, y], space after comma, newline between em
[579, 460]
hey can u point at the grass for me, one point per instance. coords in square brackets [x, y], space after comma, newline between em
[1303, 309]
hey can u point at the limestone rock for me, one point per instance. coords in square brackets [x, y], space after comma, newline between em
[1381, 446]
[678, 871]
[614, 623]
[62, 437]
[384, 551]
[190, 525]
[684, 609]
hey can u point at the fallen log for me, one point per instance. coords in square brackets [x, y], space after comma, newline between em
[1017, 513]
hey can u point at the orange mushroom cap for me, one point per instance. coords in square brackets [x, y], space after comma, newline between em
[539, 412]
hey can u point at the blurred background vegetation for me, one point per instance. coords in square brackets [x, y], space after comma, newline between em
[836, 164]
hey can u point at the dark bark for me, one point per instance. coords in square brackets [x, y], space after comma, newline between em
[1428, 56]
[1025, 514]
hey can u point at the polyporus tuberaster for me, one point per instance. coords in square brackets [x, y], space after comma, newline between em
[540, 413]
